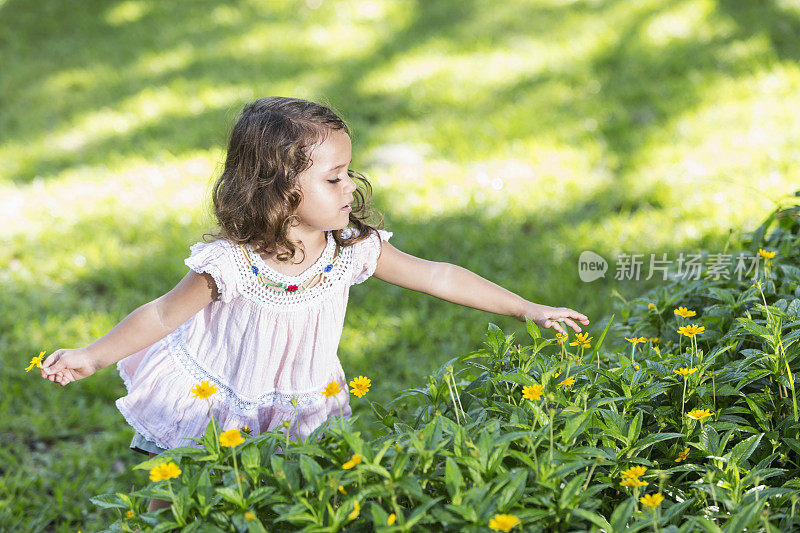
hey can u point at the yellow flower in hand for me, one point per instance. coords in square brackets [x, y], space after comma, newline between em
[532, 392]
[331, 389]
[230, 438]
[204, 390]
[165, 471]
[685, 313]
[503, 522]
[360, 386]
[652, 500]
[35, 362]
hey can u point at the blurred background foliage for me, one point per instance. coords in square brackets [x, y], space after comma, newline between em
[503, 137]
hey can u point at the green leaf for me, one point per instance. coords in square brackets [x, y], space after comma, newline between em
[453, 479]
[230, 495]
[595, 519]
[108, 501]
[745, 517]
[533, 329]
[743, 450]
[602, 336]
[623, 512]
[251, 457]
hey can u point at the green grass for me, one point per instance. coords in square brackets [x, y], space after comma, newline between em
[548, 128]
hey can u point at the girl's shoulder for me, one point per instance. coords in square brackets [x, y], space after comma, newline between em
[366, 254]
[215, 258]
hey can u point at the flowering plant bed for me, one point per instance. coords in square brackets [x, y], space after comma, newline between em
[689, 424]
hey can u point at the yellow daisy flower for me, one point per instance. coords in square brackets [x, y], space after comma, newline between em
[560, 337]
[633, 482]
[765, 254]
[354, 460]
[331, 389]
[685, 372]
[532, 392]
[682, 456]
[249, 515]
[698, 414]
[652, 500]
[685, 313]
[634, 471]
[341, 489]
[391, 519]
[164, 471]
[651, 307]
[360, 386]
[634, 340]
[570, 381]
[503, 522]
[204, 390]
[129, 514]
[35, 362]
[691, 331]
[355, 512]
[654, 340]
[582, 339]
[230, 438]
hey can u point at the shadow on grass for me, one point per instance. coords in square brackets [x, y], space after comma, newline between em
[641, 86]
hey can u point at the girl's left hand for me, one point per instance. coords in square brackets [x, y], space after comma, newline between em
[549, 317]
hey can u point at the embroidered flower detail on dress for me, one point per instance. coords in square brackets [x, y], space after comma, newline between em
[291, 288]
[328, 268]
[254, 269]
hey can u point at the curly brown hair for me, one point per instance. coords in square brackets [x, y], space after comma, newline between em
[257, 194]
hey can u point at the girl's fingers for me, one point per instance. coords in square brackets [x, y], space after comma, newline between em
[572, 324]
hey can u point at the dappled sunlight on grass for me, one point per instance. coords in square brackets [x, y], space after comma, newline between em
[527, 132]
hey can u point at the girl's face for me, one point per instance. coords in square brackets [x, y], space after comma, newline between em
[326, 188]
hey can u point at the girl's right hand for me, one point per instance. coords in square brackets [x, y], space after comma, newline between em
[65, 366]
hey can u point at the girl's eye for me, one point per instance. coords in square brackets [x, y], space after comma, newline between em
[337, 180]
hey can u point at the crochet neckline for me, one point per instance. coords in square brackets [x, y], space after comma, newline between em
[323, 260]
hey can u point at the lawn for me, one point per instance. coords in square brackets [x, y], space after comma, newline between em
[503, 138]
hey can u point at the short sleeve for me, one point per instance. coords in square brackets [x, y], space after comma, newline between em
[365, 256]
[213, 258]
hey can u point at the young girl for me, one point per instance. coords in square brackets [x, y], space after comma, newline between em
[260, 312]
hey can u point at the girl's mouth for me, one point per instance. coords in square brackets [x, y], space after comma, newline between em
[347, 208]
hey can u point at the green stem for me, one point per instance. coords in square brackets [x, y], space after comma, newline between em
[238, 482]
[550, 412]
[178, 517]
[213, 422]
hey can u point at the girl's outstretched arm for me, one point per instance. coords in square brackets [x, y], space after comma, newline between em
[458, 285]
[144, 326]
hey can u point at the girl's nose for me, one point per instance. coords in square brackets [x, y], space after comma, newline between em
[350, 185]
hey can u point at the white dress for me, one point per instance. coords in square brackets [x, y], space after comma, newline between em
[260, 345]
